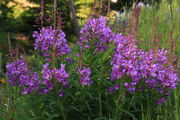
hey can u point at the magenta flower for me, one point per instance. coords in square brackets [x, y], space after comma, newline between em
[20, 75]
[85, 76]
[149, 67]
[60, 75]
[48, 39]
[96, 34]
[111, 89]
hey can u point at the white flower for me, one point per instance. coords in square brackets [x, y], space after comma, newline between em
[114, 1]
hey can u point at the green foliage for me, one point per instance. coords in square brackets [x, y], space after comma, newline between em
[166, 23]
[87, 103]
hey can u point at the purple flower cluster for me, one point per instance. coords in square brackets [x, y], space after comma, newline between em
[154, 66]
[137, 66]
[85, 76]
[20, 75]
[47, 77]
[96, 33]
[125, 61]
[111, 89]
[60, 75]
[48, 40]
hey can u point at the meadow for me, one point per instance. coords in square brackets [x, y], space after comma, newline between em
[122, 67]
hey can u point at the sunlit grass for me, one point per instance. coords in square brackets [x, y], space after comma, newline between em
[165, 25]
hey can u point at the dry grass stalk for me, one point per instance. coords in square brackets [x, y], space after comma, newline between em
[55, 14]
[154, 33]
[173, 59]
[157, 40]
[133, 22]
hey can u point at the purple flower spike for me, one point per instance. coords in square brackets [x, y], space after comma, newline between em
[20, 75]
[48, 38]
[85, 76]
[60, 75]
[148, 67]
[47, 78]
[96, 33]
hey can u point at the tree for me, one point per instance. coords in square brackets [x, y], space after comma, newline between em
[73, 18]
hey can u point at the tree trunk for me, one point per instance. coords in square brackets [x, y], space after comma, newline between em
[9, 41]
[74, 18]
[42, 13]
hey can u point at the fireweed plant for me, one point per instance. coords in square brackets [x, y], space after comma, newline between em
[49, 41]
[104, 64]
[148, 67]
[20, 75]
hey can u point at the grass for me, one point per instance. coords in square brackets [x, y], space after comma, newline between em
[168, 20]
[166, 23]
[170, 111]
[168, 15]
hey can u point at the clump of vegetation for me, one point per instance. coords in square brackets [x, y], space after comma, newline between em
[101, 74]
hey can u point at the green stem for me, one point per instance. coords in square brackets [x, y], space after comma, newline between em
[117, 105]
[171, 10]
[100, 105]
[62, 110]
